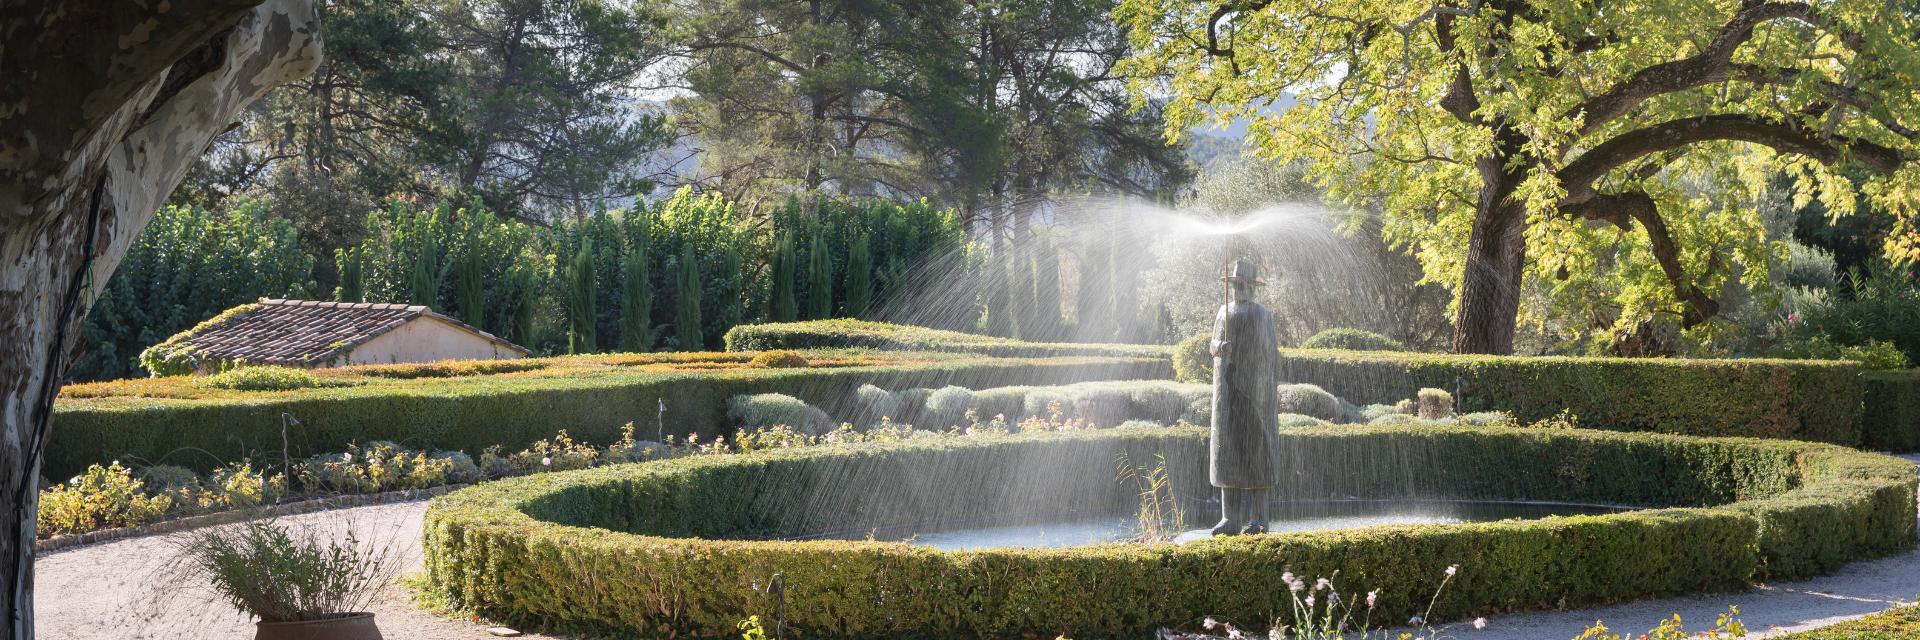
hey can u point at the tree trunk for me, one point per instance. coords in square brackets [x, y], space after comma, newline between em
[105, 110]
[1496, 263]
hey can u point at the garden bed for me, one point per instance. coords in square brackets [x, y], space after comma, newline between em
[683, 540]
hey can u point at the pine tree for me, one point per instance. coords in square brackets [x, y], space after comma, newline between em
[636, 309]
[353, 280]
[690, 325]
[580, 296]
[783, 308]
[472, 286]
[859, 278]
[819, 279]
[424, 285]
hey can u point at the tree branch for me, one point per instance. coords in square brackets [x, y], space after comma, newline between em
[769, 55]
[1578, 177]
[1622, 209]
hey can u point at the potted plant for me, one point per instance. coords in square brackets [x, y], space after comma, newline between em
[302, 584]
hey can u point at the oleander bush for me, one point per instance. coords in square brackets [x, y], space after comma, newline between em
[695, 532]
[167, 422]
[1812, 400]
[842, 333]
[1352, 340]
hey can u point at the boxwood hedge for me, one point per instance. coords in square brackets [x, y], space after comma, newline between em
[683, 547]
[1814, 400]
[848, 333]
[473, 412]
[1891, 420]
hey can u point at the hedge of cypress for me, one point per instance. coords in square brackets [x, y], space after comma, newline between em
[678, 547]
[471, 413]
[1813, 400]
[1891, 420]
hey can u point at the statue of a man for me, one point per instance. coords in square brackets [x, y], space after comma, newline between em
[1246, 405]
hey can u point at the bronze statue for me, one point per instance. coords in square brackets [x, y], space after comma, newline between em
[1246, 405]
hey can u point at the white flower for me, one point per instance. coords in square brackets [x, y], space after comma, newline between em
[1323, 584]
[1416, 621]
[1234, 633]
[346, 457]
[1371, 597]
[1287, 577]
[1452, 569]
[1309, 601]
[1479, 623]
[1273, 634]
[548, 462]
[1210, 623]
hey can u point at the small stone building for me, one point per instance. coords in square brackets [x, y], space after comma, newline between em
[316, 335]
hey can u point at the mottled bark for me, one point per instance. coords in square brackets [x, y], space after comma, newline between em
[106, 104]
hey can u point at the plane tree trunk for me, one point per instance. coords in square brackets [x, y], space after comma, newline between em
[105, 105]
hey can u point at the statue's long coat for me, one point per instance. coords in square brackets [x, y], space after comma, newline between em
[1246, 402]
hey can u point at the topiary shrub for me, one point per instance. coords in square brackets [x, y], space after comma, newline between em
[268, 378]
[1488, 419]
[948, 407]
[1395, 418]
[1156, 402]
[764, 410]
[1193, 359]
[1873, 355]
[1309, 400]
[1043, 400]
[1297, 420]
[1141, 424]
[1373, 411]
[1101, 407]
[911, 403]
[1007, 402]
[1435, 404]
[872, 404]
[1406, 407]
[1199, 412]
[1352, 340]
[779, 359]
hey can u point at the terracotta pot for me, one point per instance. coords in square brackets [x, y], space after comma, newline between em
[352, 626]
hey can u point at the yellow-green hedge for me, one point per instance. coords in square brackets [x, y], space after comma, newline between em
[473, 412]
[678, 547]
[1813, 400]
[847, 333]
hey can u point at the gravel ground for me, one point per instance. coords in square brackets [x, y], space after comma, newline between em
[112, 590]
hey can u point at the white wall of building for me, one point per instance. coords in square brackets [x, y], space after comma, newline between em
[427, 339]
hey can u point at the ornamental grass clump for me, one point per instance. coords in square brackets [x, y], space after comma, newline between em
[278, 573]
[1435, 404]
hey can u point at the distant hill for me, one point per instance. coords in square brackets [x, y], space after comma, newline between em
[1208, 150]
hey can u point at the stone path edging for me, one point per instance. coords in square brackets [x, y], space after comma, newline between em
[57, 543]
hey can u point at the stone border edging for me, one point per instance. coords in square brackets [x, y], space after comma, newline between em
[57, 543]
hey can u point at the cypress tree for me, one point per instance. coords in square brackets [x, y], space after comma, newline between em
[472, 286]
[735, 312]
[636, 303]
[689, 325]
[353, 281]
[783, 308]
[1095, 309]
[999, 285]
[580, 295]
[526, 285]
[859, 279]
[424, 285]
[1046, 291]
[820, 279]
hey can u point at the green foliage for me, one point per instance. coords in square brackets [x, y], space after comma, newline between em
[1352, 340]
[779, 359]
[859, 285]
[691, 329]
[819, 279]
[101, 498]
[472, 285]
[1722, 513]
[265, 378]
[1899, 623]
[636, 300]
[1803, 400]
[783, 308]
[1884, 308]
[176, 357]
[276, 574]
[948, 406]
[423, 284]
[1873, 355]
[1890, 420]
[849, 333]
[1310, 400]
[383, 466]
[1193, 359]
[1435, 403]
[472, 412]
[582, 317]
[353, 285]
[767, 410]
[186, 266]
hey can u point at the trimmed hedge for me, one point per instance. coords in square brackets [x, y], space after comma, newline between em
[669, 548]
[471, 413]
[1901, 623]
[848, 333]
[1891, 420]
[1809, 400]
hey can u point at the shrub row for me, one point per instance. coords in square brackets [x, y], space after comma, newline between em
[1818, 401]
[472, 412]
[1891, 420]
[678, 547]
[848, 333]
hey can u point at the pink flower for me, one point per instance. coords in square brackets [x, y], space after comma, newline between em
[1309, 601]
[546, 462]
[1323, 583]
[1793, 317]
[1479, 623]
[1000, 416]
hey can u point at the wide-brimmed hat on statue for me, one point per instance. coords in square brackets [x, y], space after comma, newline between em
[1243, 270]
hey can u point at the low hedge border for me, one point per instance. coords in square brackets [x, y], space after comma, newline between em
[847, 333]
[512, 410]
[57, 543]
[613, 549]
[1812, 400]
[1902, 623]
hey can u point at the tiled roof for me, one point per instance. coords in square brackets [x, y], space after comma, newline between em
[309, 332]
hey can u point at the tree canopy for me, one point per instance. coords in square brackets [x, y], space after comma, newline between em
[1579, 147]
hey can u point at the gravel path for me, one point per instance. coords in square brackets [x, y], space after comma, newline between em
[108, 591]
